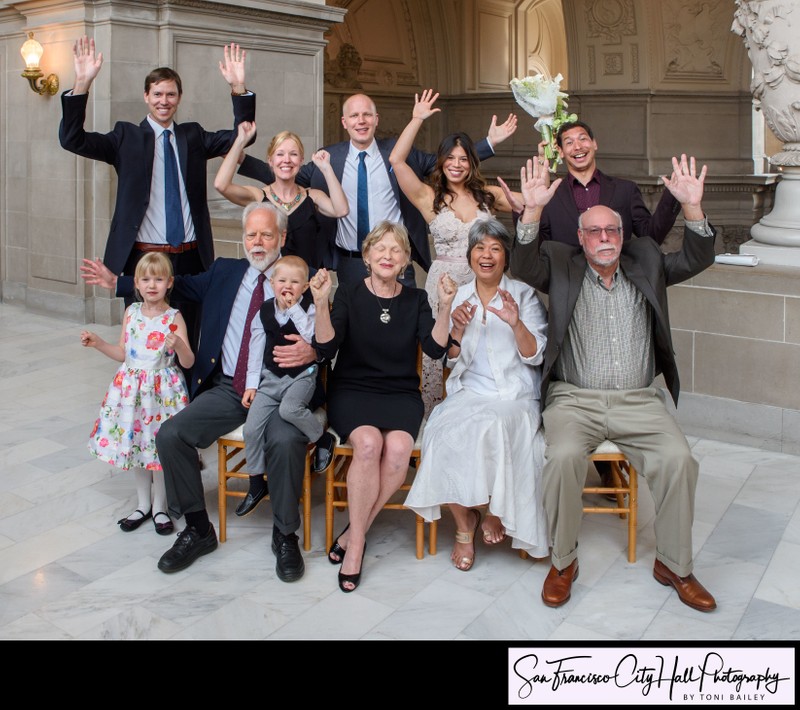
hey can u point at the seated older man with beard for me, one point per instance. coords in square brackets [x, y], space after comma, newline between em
[231, 292]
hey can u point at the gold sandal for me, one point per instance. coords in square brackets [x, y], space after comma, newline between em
[464, 564]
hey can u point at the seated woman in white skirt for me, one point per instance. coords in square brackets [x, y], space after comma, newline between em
[483, 444]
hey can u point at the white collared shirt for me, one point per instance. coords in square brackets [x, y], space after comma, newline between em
[516, 377]
[382, 200]
[153, 228]
[236, 323]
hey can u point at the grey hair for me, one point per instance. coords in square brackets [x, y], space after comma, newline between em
[617, 214]
[281, 219]
[490, 227]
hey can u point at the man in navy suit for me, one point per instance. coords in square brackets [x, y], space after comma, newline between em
[386, 200]
[226, 292]
[143, 209]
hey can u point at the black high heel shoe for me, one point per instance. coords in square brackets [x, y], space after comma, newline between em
[353, 579]
[336, 549]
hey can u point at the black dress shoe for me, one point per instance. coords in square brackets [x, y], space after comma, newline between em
[187, 548]
[128, 525]
[290, 565]
[324, 452]
[251, 500]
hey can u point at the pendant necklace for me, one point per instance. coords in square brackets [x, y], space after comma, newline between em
[286, 205]
[384, 317]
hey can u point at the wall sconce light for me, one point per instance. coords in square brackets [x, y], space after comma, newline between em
[32, 54]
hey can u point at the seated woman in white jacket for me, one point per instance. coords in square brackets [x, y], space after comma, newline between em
[483, 444]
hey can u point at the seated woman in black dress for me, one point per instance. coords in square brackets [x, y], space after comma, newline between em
[285, 156]
[373, 390]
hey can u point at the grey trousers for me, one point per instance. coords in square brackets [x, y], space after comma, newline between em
[290, 396]
[575, 422]
[210, 415]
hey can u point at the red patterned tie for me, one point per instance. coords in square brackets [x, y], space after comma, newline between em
[240, 376]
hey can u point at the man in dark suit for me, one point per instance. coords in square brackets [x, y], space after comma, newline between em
[386, 200]
[157, 208]
[608, 337]
[229, 292]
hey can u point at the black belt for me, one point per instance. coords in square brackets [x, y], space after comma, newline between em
[349, 254]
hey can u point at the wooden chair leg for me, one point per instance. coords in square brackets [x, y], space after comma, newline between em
[222, 492]
[307, 504]
[432, 534]
[329, 492]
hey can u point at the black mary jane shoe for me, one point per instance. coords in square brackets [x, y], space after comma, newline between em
[353, 579]
[128, 525]
[337, 549]
[163, 528]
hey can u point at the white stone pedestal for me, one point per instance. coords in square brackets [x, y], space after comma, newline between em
[771, 254]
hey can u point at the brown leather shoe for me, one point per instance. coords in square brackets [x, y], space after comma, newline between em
[690, 591]
[557, 587]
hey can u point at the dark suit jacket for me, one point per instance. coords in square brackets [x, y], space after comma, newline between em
[421, 163]
[558, 270]
[216, 290]
[130, 149]
[559, 220]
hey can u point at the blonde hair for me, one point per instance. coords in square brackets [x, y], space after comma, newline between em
[291, 262]
[155, 263]
[383, 228]
[282, 136]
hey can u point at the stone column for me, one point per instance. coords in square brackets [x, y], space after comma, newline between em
[771, 32]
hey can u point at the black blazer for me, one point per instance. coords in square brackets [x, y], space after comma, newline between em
[558, 270]
[130, 149]
[559, 220]
[421, 163]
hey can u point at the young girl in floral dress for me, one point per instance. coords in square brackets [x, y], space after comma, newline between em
[147, 390]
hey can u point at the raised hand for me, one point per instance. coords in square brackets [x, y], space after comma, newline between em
[87, 64]
[320, 285]
[509, 313]
[685, 184]
[497, 134]
[423, 107]
[232, 67]
[96, 273]
[513, 201]
[534, 179]
[322, 159]
[446, 289]
[247, 131]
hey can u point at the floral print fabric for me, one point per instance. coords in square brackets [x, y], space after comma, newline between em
[146, 391]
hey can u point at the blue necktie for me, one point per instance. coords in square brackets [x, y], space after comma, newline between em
[362, 224]
[172, 195]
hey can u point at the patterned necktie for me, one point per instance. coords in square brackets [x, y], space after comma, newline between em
[240, 375]
[362, 224]
[172, 195]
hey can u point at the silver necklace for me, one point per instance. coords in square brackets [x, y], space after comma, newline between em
[384, 317]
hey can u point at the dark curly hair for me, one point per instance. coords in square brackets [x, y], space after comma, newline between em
[474, 183]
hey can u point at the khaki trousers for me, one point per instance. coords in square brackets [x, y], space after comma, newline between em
[575, 422]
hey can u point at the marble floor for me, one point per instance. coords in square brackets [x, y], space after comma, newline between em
[67, 572]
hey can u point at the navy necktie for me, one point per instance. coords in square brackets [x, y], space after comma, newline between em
[240, 375]
[172, 195]
[362, 224]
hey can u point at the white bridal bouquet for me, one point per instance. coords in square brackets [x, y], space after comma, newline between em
[543, 99]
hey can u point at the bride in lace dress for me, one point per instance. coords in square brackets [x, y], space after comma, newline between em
[456, 197]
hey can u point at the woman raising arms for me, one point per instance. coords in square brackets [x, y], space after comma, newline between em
[285, 156]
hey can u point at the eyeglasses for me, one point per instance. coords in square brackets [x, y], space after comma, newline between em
[597, 231]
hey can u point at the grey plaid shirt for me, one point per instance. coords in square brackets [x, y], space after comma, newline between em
[609, 343]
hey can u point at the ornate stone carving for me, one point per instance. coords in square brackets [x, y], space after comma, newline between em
[590, 61]
[610, 19]
[342, 72]
[695, 38]
[635, 63]
[612, 63]
[770, 34]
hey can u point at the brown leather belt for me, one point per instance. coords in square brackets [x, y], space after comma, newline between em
[166, 248]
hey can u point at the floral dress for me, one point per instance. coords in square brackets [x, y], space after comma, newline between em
[146, 391]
